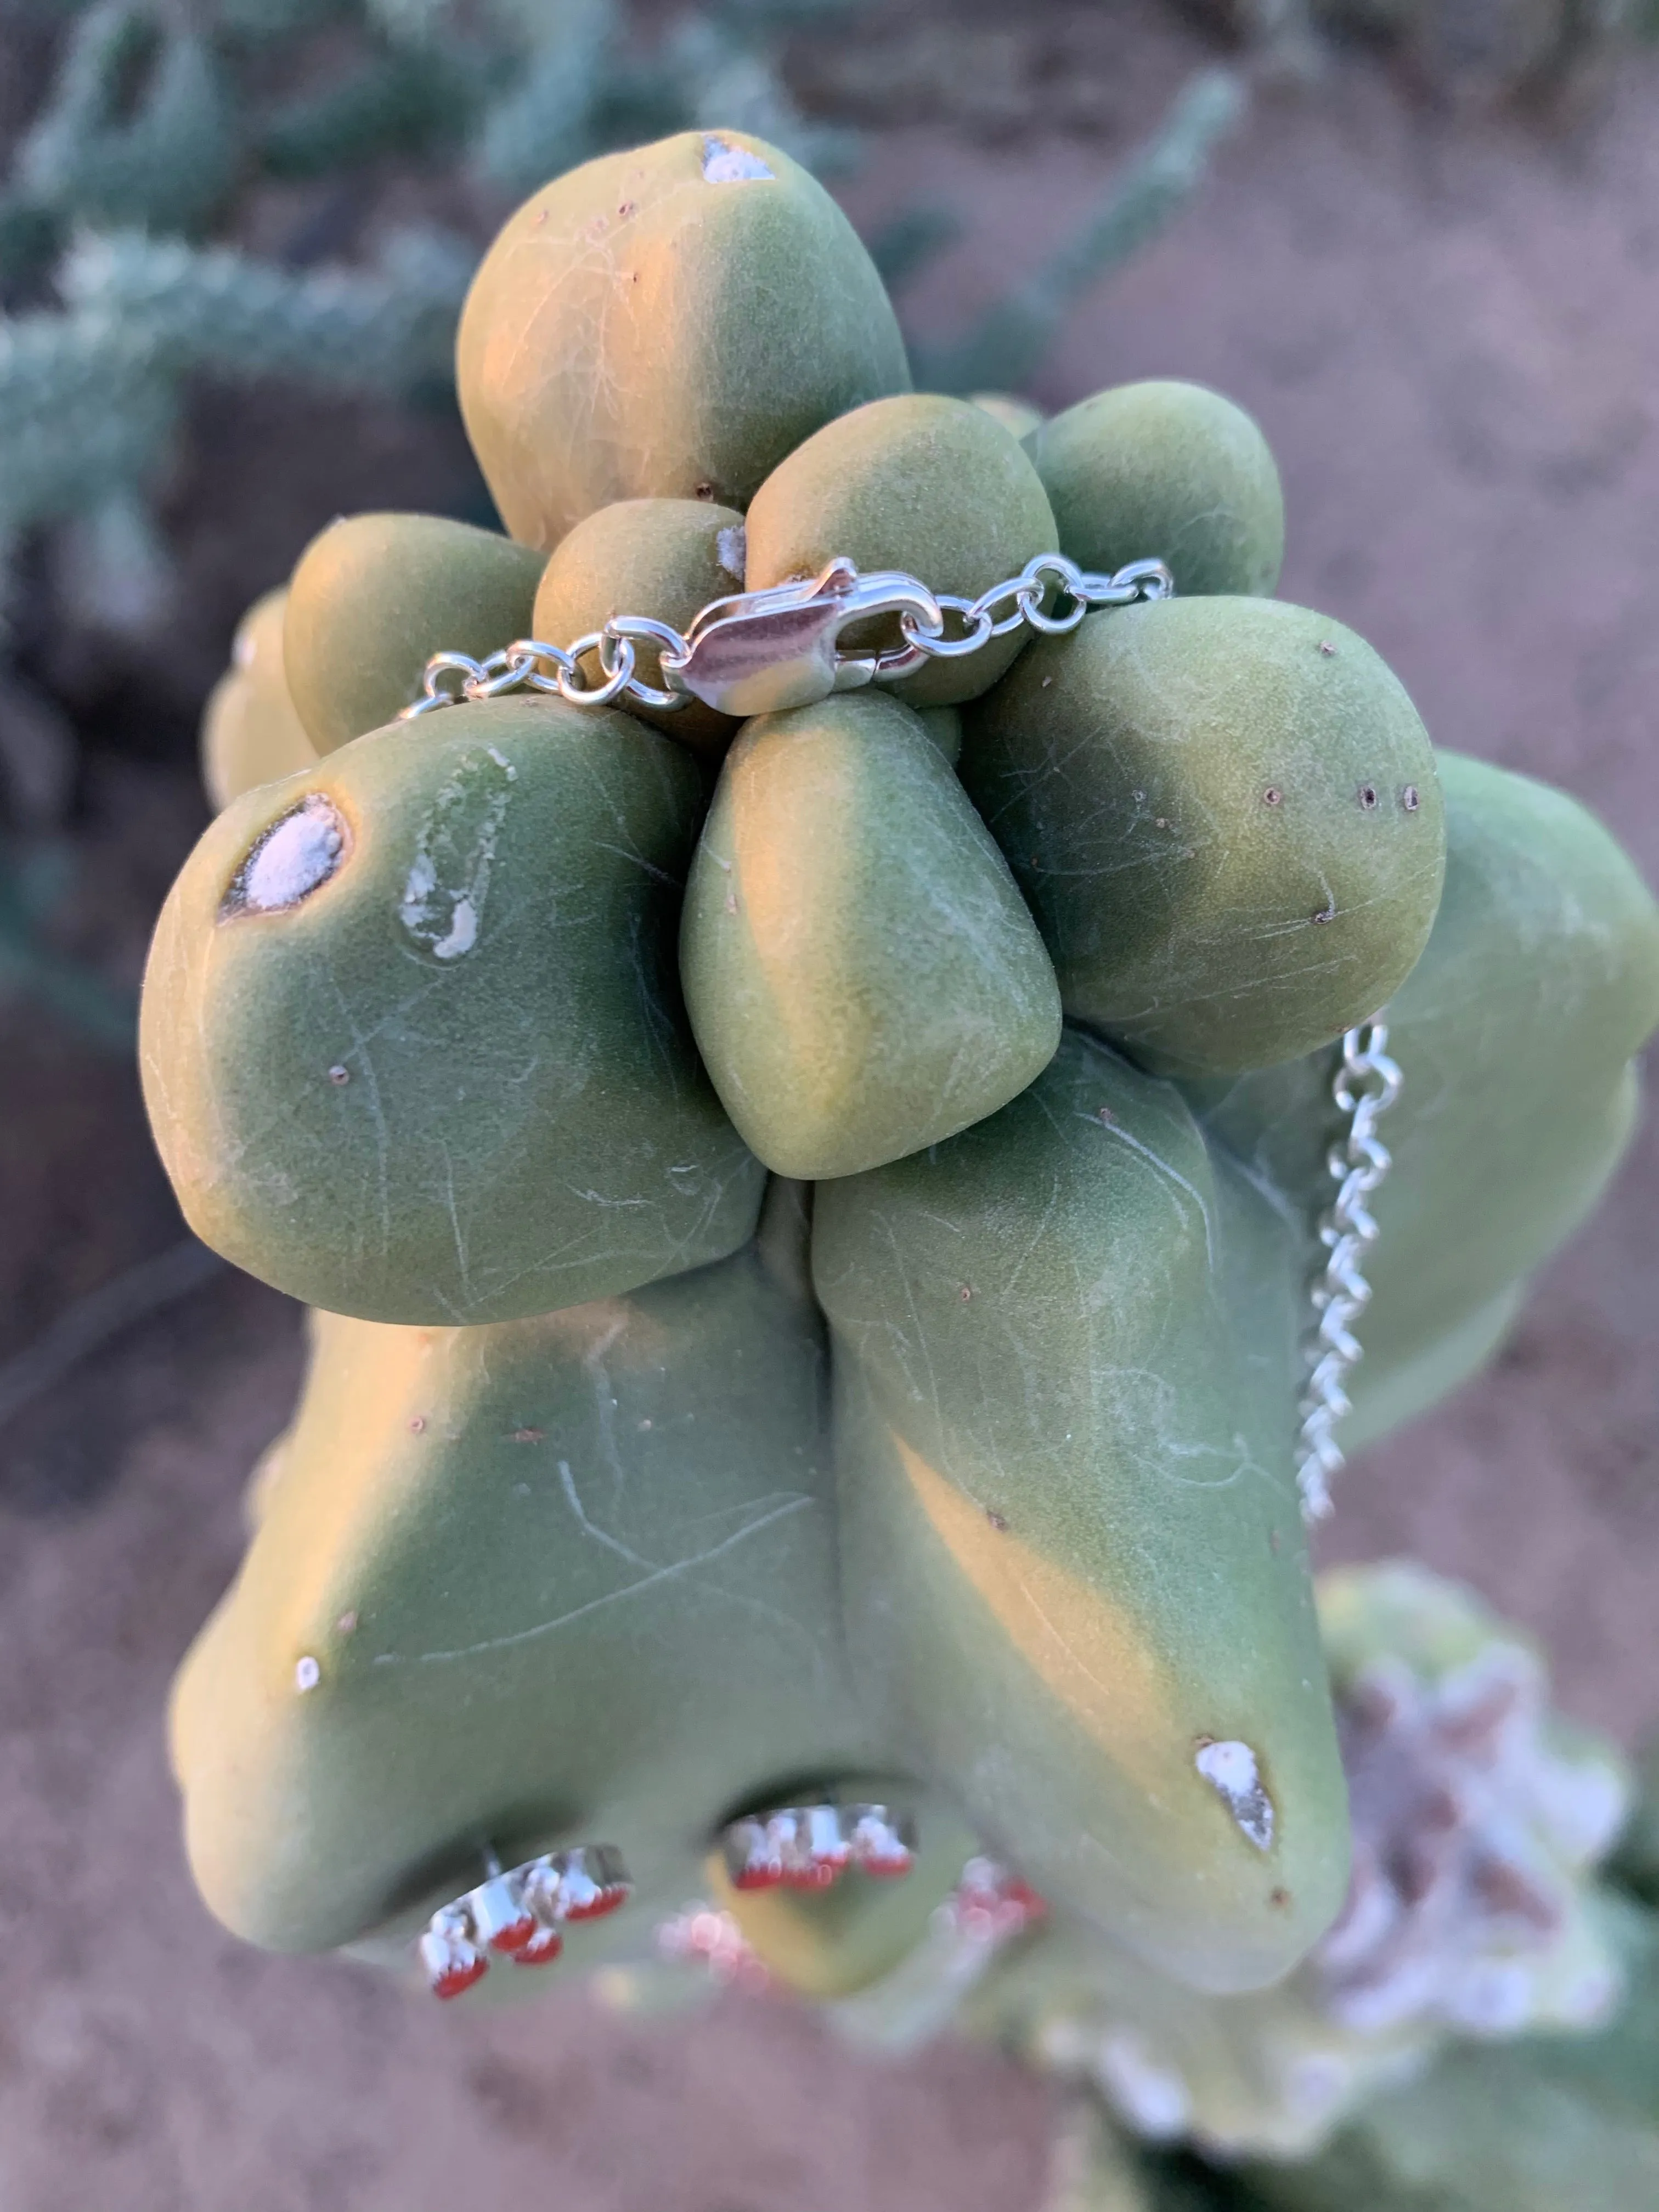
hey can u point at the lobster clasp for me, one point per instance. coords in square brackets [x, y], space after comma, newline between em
[761, 651]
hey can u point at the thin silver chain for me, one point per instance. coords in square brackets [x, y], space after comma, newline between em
[837, 597]
[1366, 1083]
[796, 628]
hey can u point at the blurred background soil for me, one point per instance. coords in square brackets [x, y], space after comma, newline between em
[1451, 333]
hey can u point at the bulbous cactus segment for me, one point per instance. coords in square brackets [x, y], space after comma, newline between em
[1166, 469]
[374, 596]
[251, 732]
[667, 323]
[936, 489]
[861, 975]
[1224, 815]
[1479, 1818]
[1516, 1033]
[664, 558]
[559, 1579]
[1074, 1571]
[411, 1038]
[829, 1942]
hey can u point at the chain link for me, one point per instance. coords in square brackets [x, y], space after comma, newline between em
[1366, 1083]
[1050, 595]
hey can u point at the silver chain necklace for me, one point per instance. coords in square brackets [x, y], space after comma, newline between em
[762, 652]
[1366, 1083]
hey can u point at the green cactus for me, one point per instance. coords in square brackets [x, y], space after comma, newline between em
[671, 556]
[1544, 922]
[934, 488]
[1537, 2125]
[252, 732]
[1166, 464]
[1479, 1819]
[738, 312]
[510, 1554]
[1226, 816]
[375, 596]
[862, 977]
[428, 986]
[1050, 1371]
[954, 1484]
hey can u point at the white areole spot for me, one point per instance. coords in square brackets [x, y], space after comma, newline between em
[731, 549]
[299, 852]
[1232, 1772]
[307, 1674]
[723, 163]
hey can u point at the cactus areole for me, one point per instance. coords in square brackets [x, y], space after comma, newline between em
[803, 1101]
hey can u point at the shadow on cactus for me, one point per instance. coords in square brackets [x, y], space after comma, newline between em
[813, 1223]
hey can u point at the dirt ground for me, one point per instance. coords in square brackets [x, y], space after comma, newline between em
[1451, 337]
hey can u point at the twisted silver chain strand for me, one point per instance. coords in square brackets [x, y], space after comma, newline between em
[1366, 1084]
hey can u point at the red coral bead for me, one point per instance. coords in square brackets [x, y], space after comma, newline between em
[541, 1950]
[455, 1980]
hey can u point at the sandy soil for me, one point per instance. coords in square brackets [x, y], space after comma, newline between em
[1451, 341]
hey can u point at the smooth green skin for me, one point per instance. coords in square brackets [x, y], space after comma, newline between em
[1018, 416]
[1165, 472]
[1066, 1366]
[943, 726]
[862, 975]
[251, 733]
[830, 1944]
[524, 1125]
[1547, 2124]
[588, 1565]
[665, 558]
[374, 596]
[937, 489]
[639, 330]
[1515, 1034]
[1195, 920]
